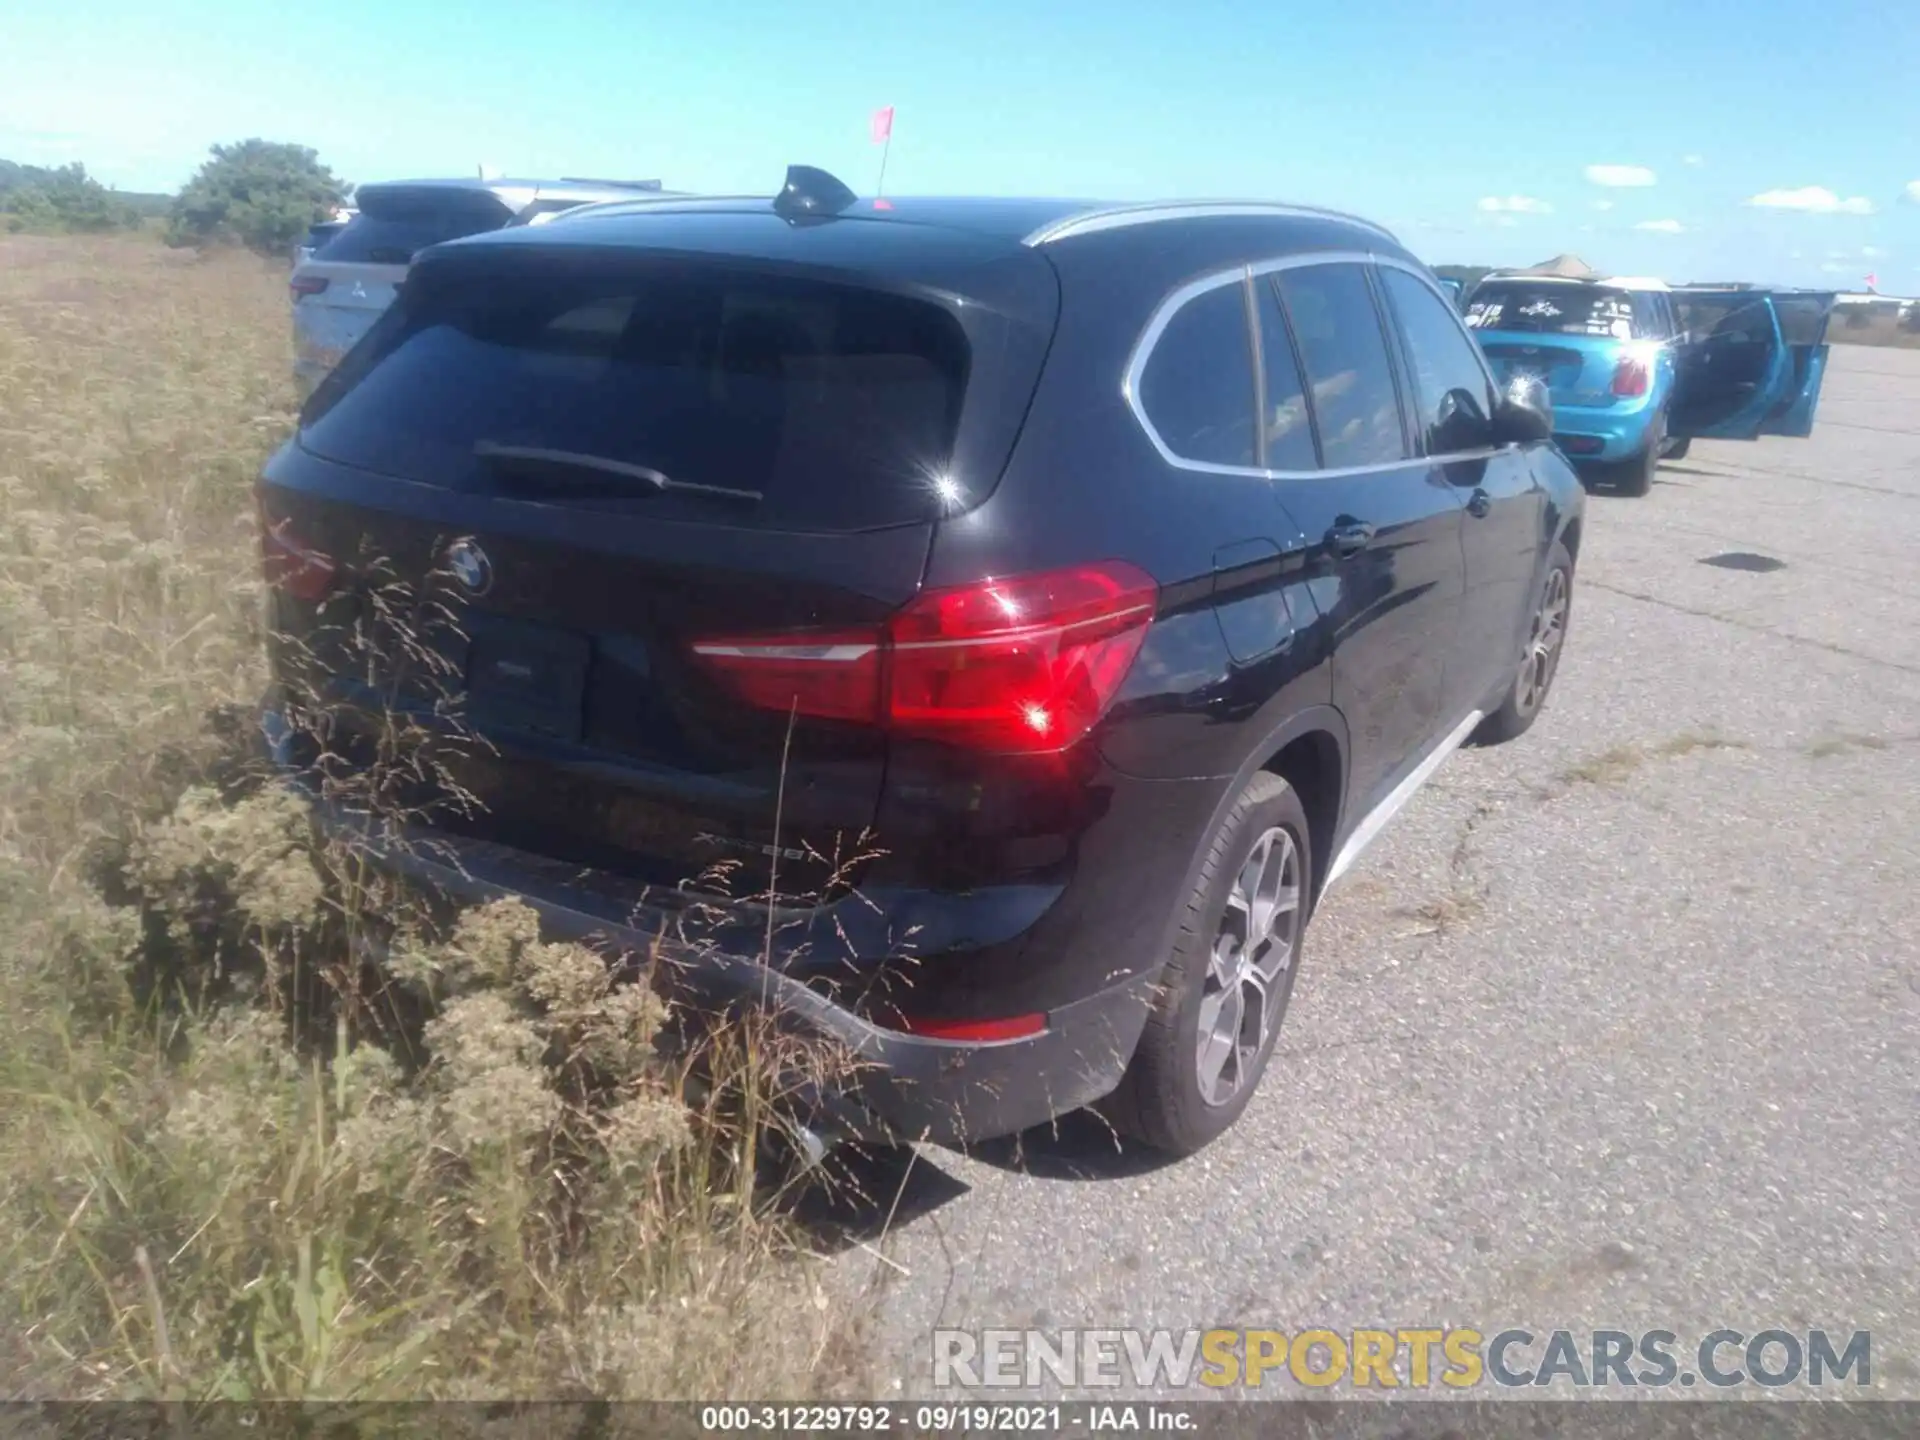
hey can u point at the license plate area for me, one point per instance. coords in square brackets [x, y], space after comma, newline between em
[526, 678]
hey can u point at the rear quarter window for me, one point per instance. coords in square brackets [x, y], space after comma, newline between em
[1197, 388]
[836, 405]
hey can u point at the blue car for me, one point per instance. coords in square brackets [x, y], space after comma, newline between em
[1637, 369]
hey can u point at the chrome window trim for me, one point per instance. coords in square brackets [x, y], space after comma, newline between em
[1118, 217]
[1244, 274]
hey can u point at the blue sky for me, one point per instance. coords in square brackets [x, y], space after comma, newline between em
[1494, 133]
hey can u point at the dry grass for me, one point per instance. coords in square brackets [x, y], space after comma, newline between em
[1615, 766]
[236, 1159]
[1886, 331]
[1831, 745]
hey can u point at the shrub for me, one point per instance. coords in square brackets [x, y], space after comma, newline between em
[257, 193]
[268, 1131]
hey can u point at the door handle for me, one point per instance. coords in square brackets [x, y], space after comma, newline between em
[1350, 538]
[1479, 503]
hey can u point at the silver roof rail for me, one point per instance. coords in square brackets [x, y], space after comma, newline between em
[1117, 217]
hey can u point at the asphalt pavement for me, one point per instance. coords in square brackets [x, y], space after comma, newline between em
[1616, 1025]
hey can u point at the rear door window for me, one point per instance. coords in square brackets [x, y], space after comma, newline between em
[1197, 389]
[1337, 325]
[1803, 318]
[1286, 417]
[814, 405]
[1731, 316]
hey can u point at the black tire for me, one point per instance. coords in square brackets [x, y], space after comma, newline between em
[1635, 474]
[1677, 449]
[1161, 1102]
[1526, 694]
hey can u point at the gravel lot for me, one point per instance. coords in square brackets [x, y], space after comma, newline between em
[1618, 1025]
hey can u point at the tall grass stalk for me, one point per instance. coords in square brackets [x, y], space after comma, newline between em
[266, 1129]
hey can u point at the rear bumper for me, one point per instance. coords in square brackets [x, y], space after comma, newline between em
[1611, 432]
[894, 1087]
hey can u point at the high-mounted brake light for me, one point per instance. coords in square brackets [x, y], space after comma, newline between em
[1630, 376]
[304, 285]
[1025, 665]
[291, 564]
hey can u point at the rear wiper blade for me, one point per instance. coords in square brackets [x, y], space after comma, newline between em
[653, 479]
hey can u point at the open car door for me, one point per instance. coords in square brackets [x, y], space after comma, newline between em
[1749, 363]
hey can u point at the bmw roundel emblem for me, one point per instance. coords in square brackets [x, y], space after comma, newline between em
[470, 566]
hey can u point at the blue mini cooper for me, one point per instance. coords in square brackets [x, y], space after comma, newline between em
[1637, 369]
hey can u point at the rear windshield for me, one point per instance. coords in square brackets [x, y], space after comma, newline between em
[396, 223]
[814, 406]
[1553, 310]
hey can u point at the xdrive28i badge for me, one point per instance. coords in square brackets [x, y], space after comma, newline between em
[470, 565]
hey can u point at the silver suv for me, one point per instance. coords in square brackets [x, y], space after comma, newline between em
[342, 287]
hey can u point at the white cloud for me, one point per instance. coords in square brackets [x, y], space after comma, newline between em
[1603, 204]
[1694, 160]
[1662, 227]
[1515, 205]
[1619, 176]
[1814, 200]
[1872, 252]
[1913, 191]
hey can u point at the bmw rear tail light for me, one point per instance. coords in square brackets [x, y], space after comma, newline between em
[1630, 376]
[305, 285]
[831, 676]
[1021, 665]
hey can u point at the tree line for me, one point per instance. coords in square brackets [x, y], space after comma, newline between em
[64, 199]
[262, 194]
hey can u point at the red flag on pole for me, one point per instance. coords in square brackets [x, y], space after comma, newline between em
[1873, 282]
[883, 125]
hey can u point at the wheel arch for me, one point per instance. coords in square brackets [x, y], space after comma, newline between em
[1309, 751]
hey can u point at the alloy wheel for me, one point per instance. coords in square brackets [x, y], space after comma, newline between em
[1543, 644]
[1253, 949]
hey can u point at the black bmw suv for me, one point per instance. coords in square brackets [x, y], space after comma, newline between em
[1025, 608]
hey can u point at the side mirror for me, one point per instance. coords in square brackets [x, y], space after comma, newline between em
[1524, 413]
[1462, 423]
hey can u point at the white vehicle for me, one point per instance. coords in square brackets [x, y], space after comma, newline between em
[341, 287]
[320, 233]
